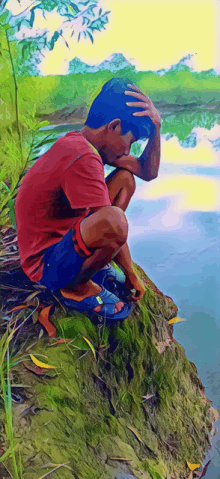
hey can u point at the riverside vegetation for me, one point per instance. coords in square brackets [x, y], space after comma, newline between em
[122, 400]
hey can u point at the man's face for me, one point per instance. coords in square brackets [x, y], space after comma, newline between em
[116, 145]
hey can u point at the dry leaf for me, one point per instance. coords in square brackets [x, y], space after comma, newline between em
[135, 432]
[16, 308]
[5, 229]
[31, 296]
[191, 475]
[41, 334]
[44, 320]
[40, 364]
[35, 316]
[58, 342]
[91, 346]
[148, 397]
[193, 466]
[34, 369]
[176, 320]
[14, 320]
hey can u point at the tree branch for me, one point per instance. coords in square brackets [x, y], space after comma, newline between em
[16, 92]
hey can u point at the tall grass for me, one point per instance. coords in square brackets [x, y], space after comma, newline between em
[6, 394]
[9, 361]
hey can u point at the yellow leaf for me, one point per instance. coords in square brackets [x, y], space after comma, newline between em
[135, 432]
[193, 466]
[176, 320]
[91, 346]
[40, 364]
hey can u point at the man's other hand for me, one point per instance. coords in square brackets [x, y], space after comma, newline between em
[145, 103]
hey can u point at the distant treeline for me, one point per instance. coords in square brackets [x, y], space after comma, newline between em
[54, 92]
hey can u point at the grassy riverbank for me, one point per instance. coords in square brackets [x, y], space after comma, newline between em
[135, 404]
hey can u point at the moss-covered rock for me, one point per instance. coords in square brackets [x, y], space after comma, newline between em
[136, 405]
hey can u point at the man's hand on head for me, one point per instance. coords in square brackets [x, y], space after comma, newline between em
[145, 103]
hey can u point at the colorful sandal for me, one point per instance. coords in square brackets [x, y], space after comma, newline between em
[113, 280]
[87, 306]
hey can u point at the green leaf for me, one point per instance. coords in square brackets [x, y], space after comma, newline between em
[100, 11]
[7, 453]
[120, 334]
[74, 6]
[90, 36]
[84, 20]
[84, 3]
[79, 37]
[25, 48]
[3, 18]
[54, 40]
[3, 174]
[65, 42]
[6, 187]
[11, 213]
[32, 18]
[48, 5]
[69, 15]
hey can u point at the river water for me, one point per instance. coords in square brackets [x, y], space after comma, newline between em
[174, 235]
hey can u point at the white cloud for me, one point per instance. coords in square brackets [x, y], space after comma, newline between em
[187, 192]
[201, 155]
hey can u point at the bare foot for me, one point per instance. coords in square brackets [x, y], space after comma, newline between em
[90, 290]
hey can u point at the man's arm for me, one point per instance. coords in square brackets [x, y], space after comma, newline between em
[123, 259]
[147, 165]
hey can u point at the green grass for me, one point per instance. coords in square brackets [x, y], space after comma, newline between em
[5, 388]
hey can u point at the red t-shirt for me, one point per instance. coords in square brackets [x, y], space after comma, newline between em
[50, 192]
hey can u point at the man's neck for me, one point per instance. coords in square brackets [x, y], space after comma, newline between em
[92, 137]
[95, 138]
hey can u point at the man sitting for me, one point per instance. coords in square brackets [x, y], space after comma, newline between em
[70, 221]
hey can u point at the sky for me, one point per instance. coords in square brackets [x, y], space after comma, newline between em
[152, 34]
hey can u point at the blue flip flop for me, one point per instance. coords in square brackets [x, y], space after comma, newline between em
[87, 306]
[116, 285]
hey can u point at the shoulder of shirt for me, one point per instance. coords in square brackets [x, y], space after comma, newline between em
[83, 142]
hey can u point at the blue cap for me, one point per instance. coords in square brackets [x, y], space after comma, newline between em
[110, 103]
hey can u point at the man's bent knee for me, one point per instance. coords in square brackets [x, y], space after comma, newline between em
[117, 221]
[107, 226]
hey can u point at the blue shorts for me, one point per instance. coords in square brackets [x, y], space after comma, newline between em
[63, 260]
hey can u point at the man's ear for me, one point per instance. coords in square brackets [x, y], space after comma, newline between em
[115, 125]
